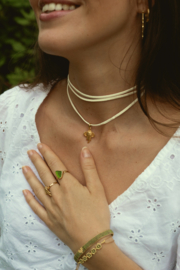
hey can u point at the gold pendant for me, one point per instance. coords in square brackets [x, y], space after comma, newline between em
[89, 134]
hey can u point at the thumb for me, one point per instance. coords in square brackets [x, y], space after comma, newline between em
[90, 172]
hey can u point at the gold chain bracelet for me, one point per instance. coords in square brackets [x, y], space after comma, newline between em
[93, 251]
[94, 240]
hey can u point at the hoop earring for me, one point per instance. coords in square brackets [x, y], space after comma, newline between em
[143, 24]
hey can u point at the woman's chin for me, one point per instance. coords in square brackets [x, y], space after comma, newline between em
[55, 47]
[48, 47]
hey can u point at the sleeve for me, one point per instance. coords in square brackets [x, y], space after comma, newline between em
[7, 104]
[178, 255]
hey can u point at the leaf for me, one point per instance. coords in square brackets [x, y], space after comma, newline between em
[17, 39]
[22, 21]
[2, 60]
[19, 76]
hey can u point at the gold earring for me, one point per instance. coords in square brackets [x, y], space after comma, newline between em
[143, 24]
[147, 15]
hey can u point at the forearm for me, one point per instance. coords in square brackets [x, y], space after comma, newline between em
[110, 257]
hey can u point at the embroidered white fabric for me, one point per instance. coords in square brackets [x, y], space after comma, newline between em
[145, 218]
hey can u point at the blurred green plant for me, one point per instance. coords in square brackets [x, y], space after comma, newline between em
[18, 35]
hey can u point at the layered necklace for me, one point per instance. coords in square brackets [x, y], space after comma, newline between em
[89, 134]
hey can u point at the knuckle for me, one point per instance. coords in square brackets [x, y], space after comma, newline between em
[35, 158]
[29, 200]
[53, 163]
[49, 224]
[43, 173]
[67, 185]
[53, 214]
[55, 201]
[38, 192]
[45, 151]
[89, 164]
[29, 176]
[34, 208]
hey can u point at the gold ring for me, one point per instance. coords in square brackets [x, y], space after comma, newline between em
[47, 189]
[60, 174]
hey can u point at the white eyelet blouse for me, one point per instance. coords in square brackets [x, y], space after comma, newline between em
[145, 218]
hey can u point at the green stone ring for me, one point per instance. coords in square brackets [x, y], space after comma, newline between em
[60, 174]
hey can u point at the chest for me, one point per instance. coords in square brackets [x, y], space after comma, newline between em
[119, 160]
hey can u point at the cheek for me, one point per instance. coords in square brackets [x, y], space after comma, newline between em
[106, 16]
[107, 19]
[93, 24]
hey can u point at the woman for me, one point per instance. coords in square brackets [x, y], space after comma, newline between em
[108, 164]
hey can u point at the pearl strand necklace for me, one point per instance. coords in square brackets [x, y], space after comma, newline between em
[89, 134]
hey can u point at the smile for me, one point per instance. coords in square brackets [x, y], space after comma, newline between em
[47, 8]
[52, 10]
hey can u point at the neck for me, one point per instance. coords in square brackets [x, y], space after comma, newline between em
[103, 72]
[102, 77]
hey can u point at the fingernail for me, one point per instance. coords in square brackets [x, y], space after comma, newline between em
[39, 146]
[25, 169]
[25, 192]
[85, 152]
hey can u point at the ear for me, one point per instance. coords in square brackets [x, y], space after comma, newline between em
[142, 6]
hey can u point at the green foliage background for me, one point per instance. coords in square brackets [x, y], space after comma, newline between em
[18, 35]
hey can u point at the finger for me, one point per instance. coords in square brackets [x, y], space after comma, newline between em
[54, 164]
[36, 186]
[51, 159]
[90, 172]
[45, 173]
[36, 207]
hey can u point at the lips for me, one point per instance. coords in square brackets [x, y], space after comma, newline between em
[66, 2]
[52, 10]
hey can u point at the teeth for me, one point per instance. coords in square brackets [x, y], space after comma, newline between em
[52, 7]
[65, 7]
[72, 7]
[59, 7]
[45, 8]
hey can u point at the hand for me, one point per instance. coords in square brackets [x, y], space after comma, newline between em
[75, 213]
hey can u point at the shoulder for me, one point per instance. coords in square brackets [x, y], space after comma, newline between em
[17, 104]
[7, 98]
[19, 96]
[20, 90]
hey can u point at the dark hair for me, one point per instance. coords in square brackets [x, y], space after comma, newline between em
[159, 67]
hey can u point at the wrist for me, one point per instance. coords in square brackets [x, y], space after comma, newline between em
[111, 257]
[81, 240]
[92, 250]
[98, 261]
[98, 240]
